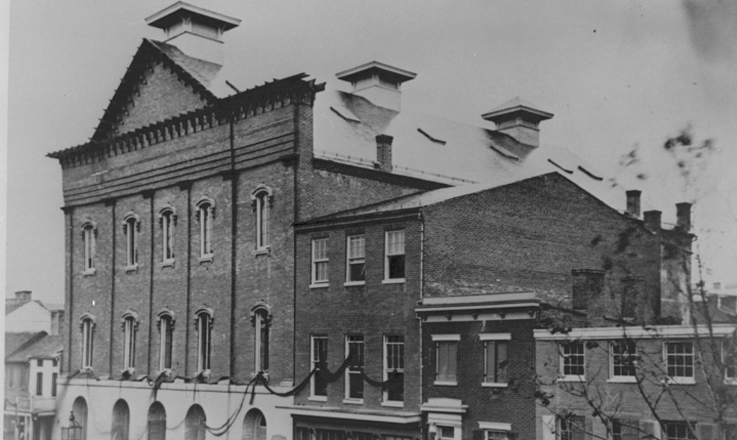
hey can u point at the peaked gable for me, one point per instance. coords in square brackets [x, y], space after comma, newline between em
[155, 87]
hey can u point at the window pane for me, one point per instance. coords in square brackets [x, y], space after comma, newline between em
[501, 365]
[446, 361]
[396, 266]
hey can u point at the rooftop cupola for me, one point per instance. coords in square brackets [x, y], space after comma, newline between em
[519, 119]
[195, 31]
[378, 82]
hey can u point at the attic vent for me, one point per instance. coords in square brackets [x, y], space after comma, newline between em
[436, 140]
[345, 114]
[590, 174]
[504, 152]
[564, 169]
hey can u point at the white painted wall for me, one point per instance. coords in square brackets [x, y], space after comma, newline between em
[31, 317]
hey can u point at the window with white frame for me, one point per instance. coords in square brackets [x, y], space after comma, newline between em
[204, 333]
[262, 205]
[354, 377]
[356, 270]
[572, 360]
[678, 430]
[446, 359]
[679, 360]
[206, 215]
[394, 260]
[394, 368]
[319, 356]
[89, 233]
[166, 333]
[129, 341]
[492, 434]
[261, 326]
[496, 359]
[729, 356]
[168, 220]
[131, 225]
[87, 327]
[624, 429]
[320, 261]
[571, 428]
[623, 360]
[445, 432]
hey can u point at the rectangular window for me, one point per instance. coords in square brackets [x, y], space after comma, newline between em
[24, 372]
[446, 358]
[261, 324]
[166, 330]
[55, 362]
[87, 343]
[167, 236]
[572, 360]
[446, 432]
[679, 431]
[39, 362]
[319, 357]
[320, 261]
[625, 430]
[729, 354]
[203, 352]
[129, 343]
[54, 378]
[495, 369]
[354, 378]
[39, 384]
[205, 212]
[623, 355]
[394, 368]
[263, 218]
[679, 359]
[571, 428]
[394, 264]
[497, 435]
[356, 270]
[89, 248]
[131, 233]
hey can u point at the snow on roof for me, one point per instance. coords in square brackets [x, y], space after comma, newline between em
[207, 73]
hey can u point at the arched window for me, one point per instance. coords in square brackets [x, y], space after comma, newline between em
[89, 235]
[131, 228]
[79, 408]
[121, 421]
[203, 323]
[87, 326]
[254, 425]
[156, 422]
[130, 325]
[261, 321]
[194, 423]
[167, 219]
[166, 333]
[262, 199]
[205, 215]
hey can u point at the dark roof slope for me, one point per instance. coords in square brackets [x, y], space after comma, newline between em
[45, 348]
[18, 341]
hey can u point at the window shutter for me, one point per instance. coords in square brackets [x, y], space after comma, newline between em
[548, 427]
[707, 431]
[478, 434]
[648, 430]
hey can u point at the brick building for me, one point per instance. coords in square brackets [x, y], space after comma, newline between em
[213, 236]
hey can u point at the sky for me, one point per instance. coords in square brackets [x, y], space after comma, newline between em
[619, 76]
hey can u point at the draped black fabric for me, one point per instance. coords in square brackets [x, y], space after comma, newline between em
[391, 381]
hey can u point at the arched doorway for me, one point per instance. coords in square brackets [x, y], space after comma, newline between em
[254, 425]
[156, 422]
[194, 424]
[79, 408]
[121, 421]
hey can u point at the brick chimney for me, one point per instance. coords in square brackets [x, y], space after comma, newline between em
[23, 296]
[633, 203]
[683, 216]
[57, 322]
[195, 31]
[519, 119]
[384, 152]
[378, 82]
[652, 220]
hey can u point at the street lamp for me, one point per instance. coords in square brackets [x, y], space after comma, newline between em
[73, 431]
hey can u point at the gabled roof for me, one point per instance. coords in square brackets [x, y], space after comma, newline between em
[47, 347]
[17, 341]
[12, 305]
[198, 74]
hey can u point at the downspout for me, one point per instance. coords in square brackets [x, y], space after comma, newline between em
[422, 293]
[70, 213]
[112, 286]
[295, 213]
[151, 289]
[233, 241]
[186, 323]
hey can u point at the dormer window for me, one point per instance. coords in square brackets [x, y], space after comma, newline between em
[262, 199]
[131, 228]
[206, 214]
[89, 234]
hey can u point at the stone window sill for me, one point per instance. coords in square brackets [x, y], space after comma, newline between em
[131, 268]
[167, 263]
[354, 283]
[319, 285]
[89, 272]
[206, 259]
[622, 379]
[445, 383]
[393, 281]
[392, 403]
[318, 398]
[353, 401]
[494, 385]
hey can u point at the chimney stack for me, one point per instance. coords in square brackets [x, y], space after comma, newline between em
[378, 82]
[195, 31]
[683, 216]
[652, 220]
[23, 296]
[384, 152]
[57, 322]
[633, 203]
[519, 119]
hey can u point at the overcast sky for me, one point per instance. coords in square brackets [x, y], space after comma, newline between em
[617, 75]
